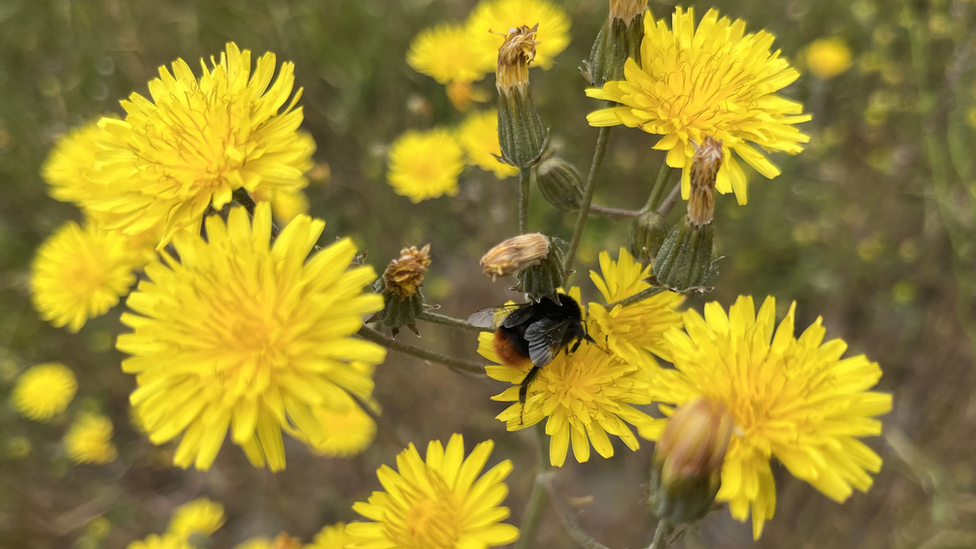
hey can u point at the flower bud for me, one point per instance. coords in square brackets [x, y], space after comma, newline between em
[401, 282]
[515, 254]
[704, 169]
[646, 236]
[543, 279]
[560, 183]
[619, 39]
[685, 261]
[687, 462]
[521, 135]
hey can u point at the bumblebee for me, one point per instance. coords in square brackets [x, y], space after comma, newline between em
[534, 333]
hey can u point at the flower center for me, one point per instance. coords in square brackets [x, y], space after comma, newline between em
[430, 519]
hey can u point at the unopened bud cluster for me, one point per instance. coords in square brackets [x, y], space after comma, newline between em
[401, 282]
[687, 462]
[521, 136]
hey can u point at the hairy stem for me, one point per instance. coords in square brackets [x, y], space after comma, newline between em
[525, 188]
[445, 320]
[639, 296]
[456, 364]
[658, 190]
[539, 496]
[599, 152]
[616, 213]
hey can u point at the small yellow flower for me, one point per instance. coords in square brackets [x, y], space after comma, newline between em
[333, 536]
[425, 165]
[714, 81]
[345, 432]
[447, 54]
[80, 273]
[167, 541]
[586, 396]
[491, 20]
[200, 516]
[828, 58]
[638, 326]
[790, 398]
[198, 140]
[478, 136]
[89, 440]
[70, 161]
[243, 337]
[437, 504]
[44, 390]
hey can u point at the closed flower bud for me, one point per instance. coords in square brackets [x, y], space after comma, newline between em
[560, 183]
[704, 169]
[515, 254]
[646, 236]
[619, 39]
[521, 135]
[401, 282]
[687, 462]
[685, 261]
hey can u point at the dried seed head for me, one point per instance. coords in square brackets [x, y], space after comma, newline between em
[514, 57]
[405, 275]
[627, 10]
[515, 254]
[704, 169]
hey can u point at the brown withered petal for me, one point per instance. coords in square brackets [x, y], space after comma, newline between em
[627, 10]
[704, 169]
[405, 275]
[515, 254]
[514, 57]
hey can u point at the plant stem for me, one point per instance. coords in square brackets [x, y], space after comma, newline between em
[639, 296]
[445, 320]
[566, 516]
[660, 535]
[244, 199]
[670, 200]
[617, 213]
[525, 188]
[602, 141]
[465, 366]
[658, 190]
[539, 495]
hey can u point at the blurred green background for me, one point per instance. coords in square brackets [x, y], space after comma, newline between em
[871, 227]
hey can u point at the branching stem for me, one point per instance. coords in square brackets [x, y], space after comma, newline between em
[458, 365]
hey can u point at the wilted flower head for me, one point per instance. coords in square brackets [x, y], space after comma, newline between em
[491, 20]
[437, 503]
[790, 398]
[714, 81]
[245, 337]
[627, 10]
[43, 391]
[514, 57]
[705, 165]
[515, 254]
[89, 440]
[197, 140]
[424, 165]
[404, 276]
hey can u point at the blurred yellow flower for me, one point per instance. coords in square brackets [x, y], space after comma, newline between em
[255, 543]
[437, 504]
[491, 20]
[586, 396]
[333, 536]
[80, 273]
[345, 432]
[478, 136]
[200, 516]
[425, 165]
[167, 541]
[197, 141]
[447, 54]
[716, 82]
[638, 326]
[828, 58]
[89, 440]
[69, 162]
[44, 391]
[791, 398]
[243, 336]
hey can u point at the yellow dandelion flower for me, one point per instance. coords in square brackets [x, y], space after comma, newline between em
[198, 140]
[80, 273]
[89, 440]
[243, 336]
[437, 504]
[200, 516]
[641, 325]
[478, 136]
[828, 58]
[791, 398]
[586, 396]
[425, 165]
[346, 432]
[447, 54]
[286, 204]
[73, 156]
[44, 391]
[491, 19]
[716, 82]
[333, 536]
[167, 541]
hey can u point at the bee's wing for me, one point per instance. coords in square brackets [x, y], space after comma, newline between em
[545, 338]
[487, 317]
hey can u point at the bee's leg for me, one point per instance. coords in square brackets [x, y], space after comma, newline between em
[524, 389]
